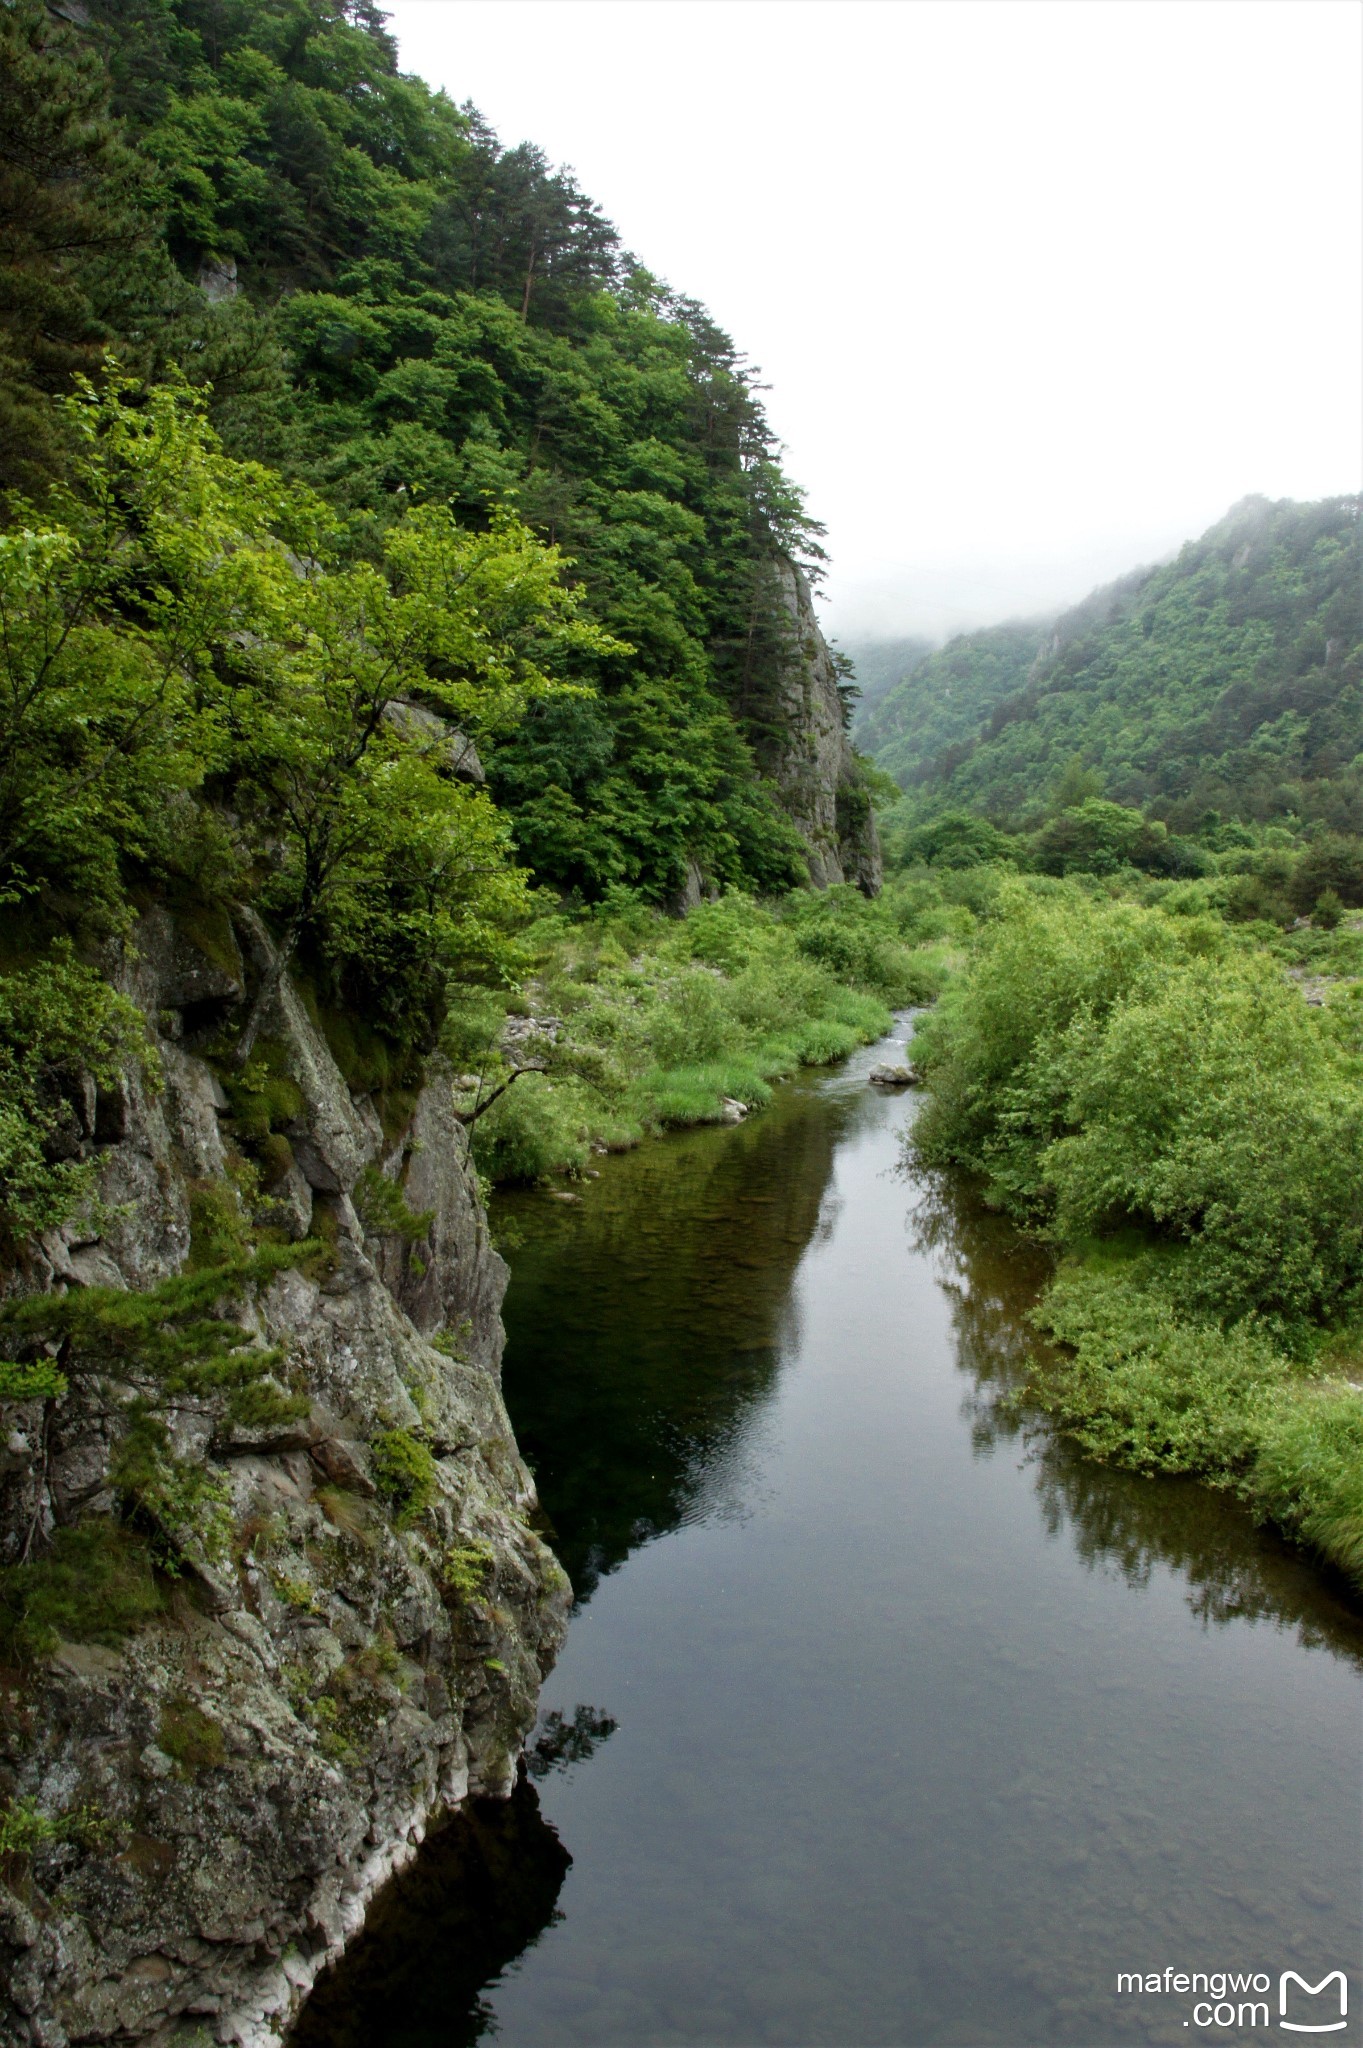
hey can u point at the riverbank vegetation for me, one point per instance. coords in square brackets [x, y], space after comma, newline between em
[1146, 1085]
[1154, 1056]
[642, 1022]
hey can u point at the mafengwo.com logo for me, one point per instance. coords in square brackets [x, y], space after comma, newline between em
[1227, 2001]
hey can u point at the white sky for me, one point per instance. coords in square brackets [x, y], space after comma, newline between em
[1041, 287]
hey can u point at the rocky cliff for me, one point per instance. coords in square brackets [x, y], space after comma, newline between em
[813, 761]
[199, 1808]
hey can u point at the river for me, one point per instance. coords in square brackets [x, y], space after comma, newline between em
[884, 1719]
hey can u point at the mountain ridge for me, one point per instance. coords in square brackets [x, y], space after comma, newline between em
[1228, 678]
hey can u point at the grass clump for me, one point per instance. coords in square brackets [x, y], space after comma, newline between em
[465, 1570]
[95, 1584]
[405, 1473]
[25, 1829]
[265, 1097]
[384, 1209]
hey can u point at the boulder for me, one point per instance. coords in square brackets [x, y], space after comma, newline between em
[887, 1076]
[175, 961]
[450, 1279]
[333, 1140]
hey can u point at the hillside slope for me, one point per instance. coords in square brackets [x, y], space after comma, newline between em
[946, 695]
[385, 303]
[1229, 679]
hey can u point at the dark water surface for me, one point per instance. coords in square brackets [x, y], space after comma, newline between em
[924, 1728]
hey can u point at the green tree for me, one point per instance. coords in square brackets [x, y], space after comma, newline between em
[73, 217]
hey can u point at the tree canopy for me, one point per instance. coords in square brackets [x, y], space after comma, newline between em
[383, 303]
[1228, 680]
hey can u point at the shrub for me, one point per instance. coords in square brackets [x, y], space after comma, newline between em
[405, 1473]
[59, 1022]
[531, 1132]
[1141, 1386]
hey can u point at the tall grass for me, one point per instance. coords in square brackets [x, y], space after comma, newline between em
[661, 1021]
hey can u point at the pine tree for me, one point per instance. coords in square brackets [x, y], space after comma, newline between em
[72, 208]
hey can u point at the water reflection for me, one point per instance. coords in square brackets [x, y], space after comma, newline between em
[1116, 1521]
[481, 1893]
[645, 1327]
[917, 1742]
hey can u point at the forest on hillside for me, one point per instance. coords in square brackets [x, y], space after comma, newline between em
[371, 299]
[1228, 681]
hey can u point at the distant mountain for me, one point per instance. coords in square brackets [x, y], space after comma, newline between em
[879, 665]
[940, 701]
[1230, 678]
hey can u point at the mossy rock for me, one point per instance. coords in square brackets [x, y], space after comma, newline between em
[95, 1585]
[266, 1097]
[192, 1738]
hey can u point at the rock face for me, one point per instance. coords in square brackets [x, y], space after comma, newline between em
[813, 763]
[229, 1787]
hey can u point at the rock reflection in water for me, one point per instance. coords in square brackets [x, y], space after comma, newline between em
[480, 1894]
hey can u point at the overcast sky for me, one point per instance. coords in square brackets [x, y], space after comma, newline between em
[1041, 287]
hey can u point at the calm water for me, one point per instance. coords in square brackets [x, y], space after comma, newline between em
[923, 1728]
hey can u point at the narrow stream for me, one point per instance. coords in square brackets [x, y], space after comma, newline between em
[884, 1719]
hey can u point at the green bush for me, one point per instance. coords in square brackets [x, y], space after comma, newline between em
[1308, 1473]
[472, 1023]
[1107, 1066]
[1139, 1385]
[533, 1131]
[405, 1473]
[382, 1207]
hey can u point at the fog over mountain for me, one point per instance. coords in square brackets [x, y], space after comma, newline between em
[1039, 291]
